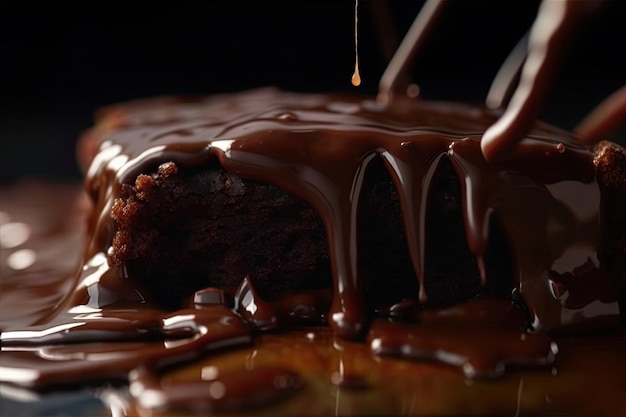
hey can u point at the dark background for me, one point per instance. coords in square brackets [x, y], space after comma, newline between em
[59, 62]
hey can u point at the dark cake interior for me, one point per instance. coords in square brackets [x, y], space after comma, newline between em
[207, 228]
[182, 230]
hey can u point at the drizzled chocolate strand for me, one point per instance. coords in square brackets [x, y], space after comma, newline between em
[549, 40]
[605, 119]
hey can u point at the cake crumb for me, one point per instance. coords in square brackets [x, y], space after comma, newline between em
[167, 169]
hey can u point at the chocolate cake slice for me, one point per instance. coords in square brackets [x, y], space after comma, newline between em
[180, 230]
[383, 205]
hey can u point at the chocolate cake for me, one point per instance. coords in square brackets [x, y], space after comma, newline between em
[210, 191]
[252, 252]
[259, 230]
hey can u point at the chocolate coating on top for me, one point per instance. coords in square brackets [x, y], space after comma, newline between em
[320, 153]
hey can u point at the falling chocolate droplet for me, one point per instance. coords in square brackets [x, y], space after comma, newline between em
[356, 77]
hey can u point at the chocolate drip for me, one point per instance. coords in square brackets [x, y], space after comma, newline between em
[356, 76]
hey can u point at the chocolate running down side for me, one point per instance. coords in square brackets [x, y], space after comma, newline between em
[318, 148]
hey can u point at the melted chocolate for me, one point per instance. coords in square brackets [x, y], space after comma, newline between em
[605, 119]
[396, 71]
[524, 80]
[457, 335]
[549, 40]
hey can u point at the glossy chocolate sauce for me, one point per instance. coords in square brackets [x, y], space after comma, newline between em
[229, 349]
[605, 119]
